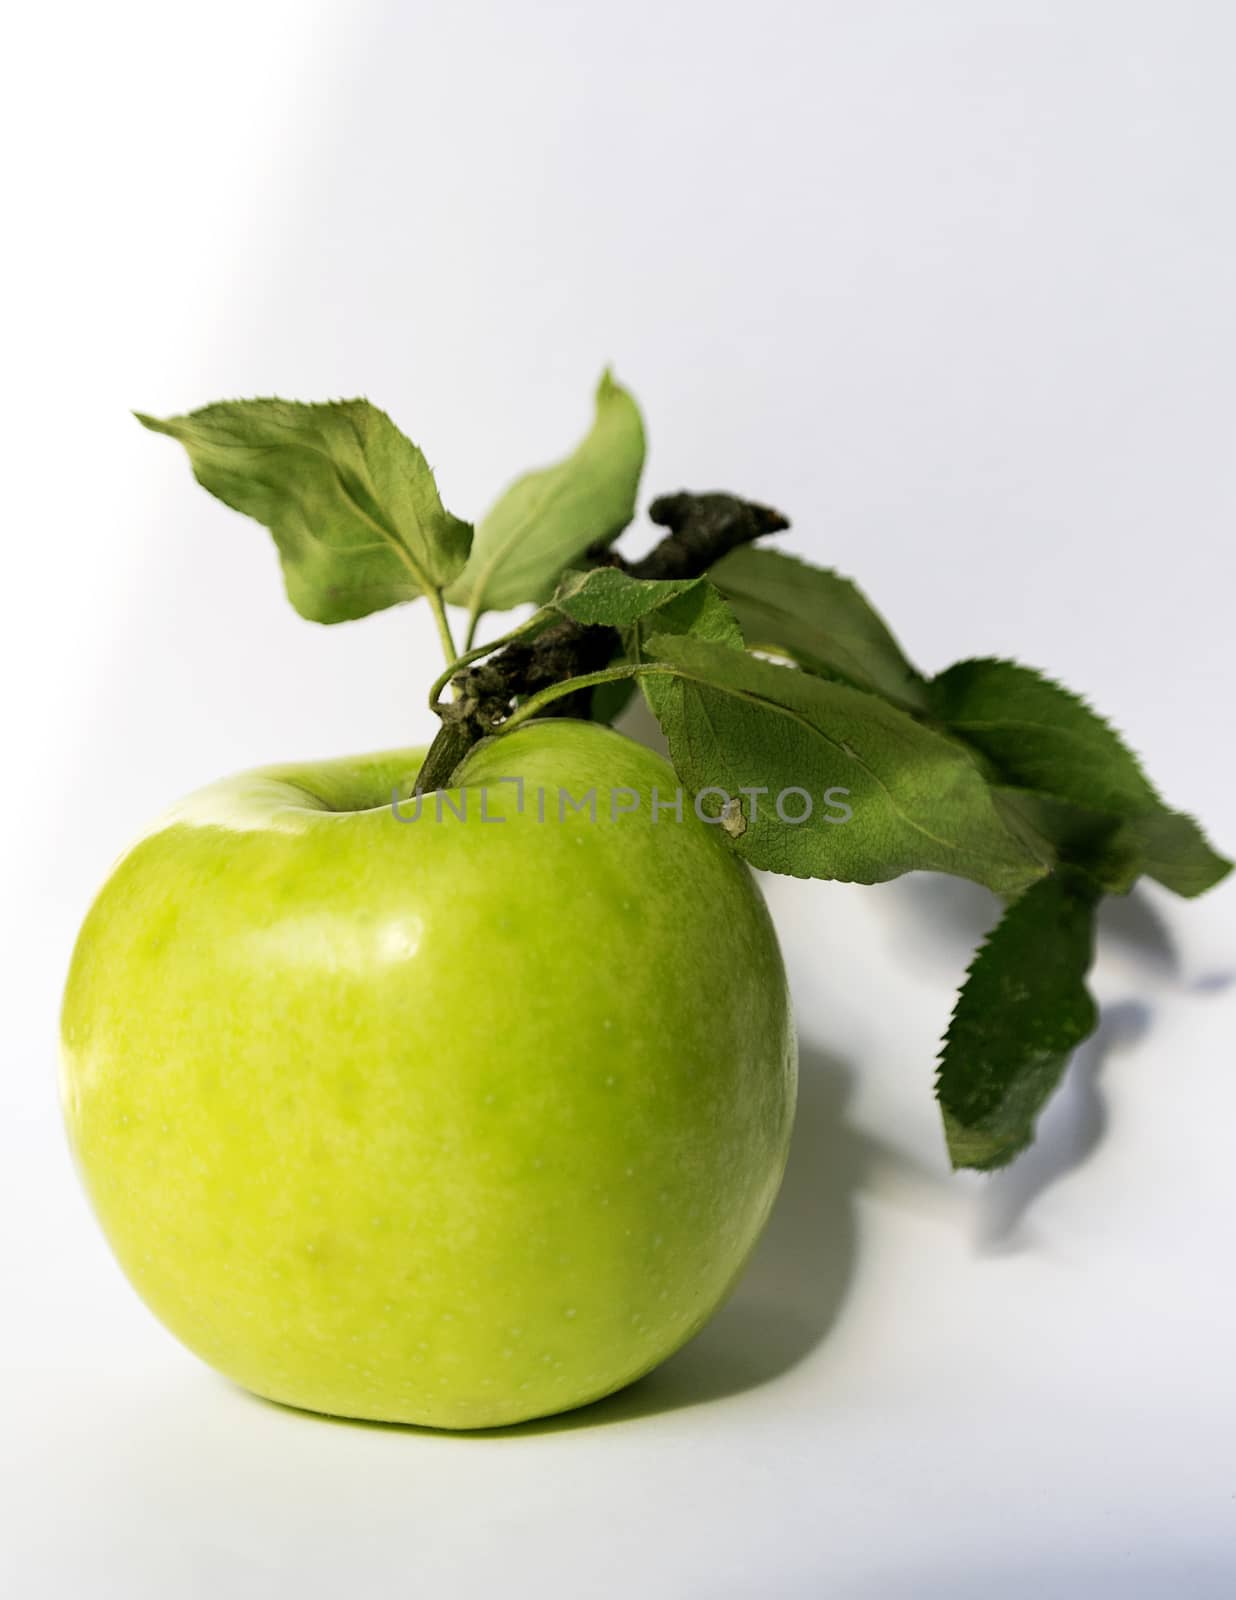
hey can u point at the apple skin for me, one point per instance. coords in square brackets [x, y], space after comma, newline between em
[448, 1123]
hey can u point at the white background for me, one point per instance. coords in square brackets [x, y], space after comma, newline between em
[952, 283]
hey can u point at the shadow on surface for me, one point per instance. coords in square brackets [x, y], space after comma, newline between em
[1069, 1132]
[1133, 922]
[958, 915]
[791, 1291]
[935, 922]
[794, 1285]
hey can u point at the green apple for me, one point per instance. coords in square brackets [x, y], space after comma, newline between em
[451, 1121]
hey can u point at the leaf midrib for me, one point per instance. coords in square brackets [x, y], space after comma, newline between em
[754, 698]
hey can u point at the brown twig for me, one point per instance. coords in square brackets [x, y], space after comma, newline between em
[702, 529]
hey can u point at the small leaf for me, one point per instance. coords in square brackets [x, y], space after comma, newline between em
[699, 613]
[821, 620]
[351, 501]
[1041, 737]
[1022, 1011]
[887, 795]
[546, 520]
[609, 597]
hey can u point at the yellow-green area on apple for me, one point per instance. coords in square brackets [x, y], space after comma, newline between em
[453, 1123]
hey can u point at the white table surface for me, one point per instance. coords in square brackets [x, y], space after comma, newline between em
[953, 285]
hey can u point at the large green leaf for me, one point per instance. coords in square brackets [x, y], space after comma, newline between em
[351, 502]
[888, 795]
[1042, 738]
[1094, 843]
[821, 620]
[1023, 1010]
[546, 520]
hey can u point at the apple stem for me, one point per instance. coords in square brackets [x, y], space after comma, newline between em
[542, 662]
[534, 624]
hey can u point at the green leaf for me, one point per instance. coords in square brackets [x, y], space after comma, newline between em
[1173, 850]
[821, 620]
[351, 502]
[546, 520]
[1092, 842]
[915, 799]
[699, 613]
[609, 597]
[1022, 1011]
[1041, 737]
